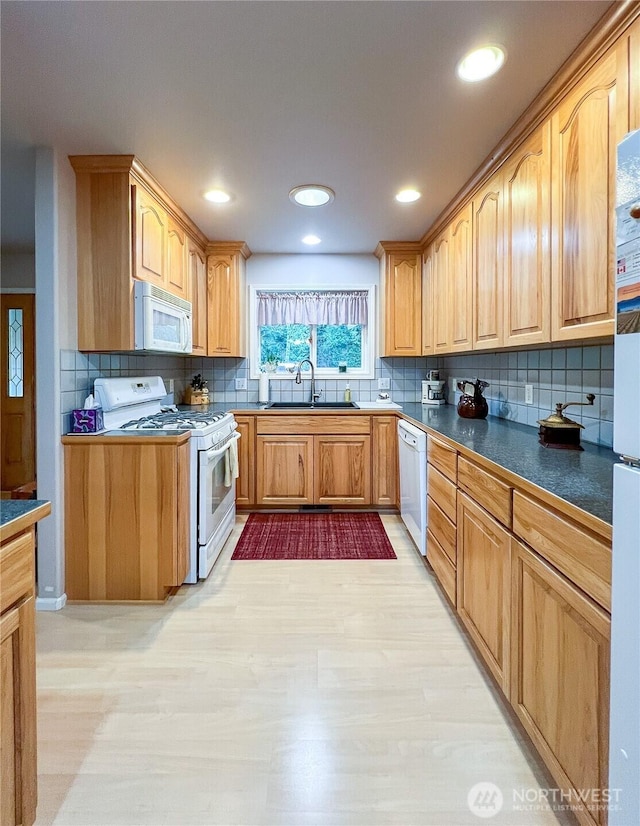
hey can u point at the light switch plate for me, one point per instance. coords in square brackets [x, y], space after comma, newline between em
[384, 384]
[241, 384]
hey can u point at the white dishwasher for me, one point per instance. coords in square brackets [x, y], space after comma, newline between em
[412, 452]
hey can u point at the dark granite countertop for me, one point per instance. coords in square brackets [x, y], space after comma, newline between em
[16, 512]
[582, 478]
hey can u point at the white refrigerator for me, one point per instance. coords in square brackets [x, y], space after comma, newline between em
[624, 744]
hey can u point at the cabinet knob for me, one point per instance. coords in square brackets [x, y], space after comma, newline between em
[634, 212]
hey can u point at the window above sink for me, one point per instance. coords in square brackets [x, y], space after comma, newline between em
[306, 324]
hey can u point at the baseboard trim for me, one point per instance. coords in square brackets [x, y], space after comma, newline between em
[51, 603]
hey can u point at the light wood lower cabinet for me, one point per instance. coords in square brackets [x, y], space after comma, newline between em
[324, 459]
[284, 470]
[384, 460]
[484, 585]
[342, 470]
[246, 481]
[18, 749]
[560, 674]
[126, 517]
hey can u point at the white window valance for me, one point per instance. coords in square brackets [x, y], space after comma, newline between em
[313, 307]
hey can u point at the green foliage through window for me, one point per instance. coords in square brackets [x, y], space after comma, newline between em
[326, 344]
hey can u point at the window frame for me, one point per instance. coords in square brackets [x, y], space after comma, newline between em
[367, 371]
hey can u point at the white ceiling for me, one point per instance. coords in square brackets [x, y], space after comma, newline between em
[258, 97]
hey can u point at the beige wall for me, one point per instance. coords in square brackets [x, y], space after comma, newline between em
[17, 270]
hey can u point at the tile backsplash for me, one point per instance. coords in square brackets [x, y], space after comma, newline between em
[558, 375]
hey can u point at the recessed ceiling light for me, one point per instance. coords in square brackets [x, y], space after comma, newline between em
[312, 195]
[311, 240]
[406, 196]
[481, 63]
[217, 196]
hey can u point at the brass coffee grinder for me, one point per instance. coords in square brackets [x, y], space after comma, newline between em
[559, 431]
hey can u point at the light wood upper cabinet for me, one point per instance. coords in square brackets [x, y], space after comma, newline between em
[586, 128]
[127, 228]
[197, 273]
[461, 286]
[177, 270]
[427, 302]
[527, 244]
[488, 265]
[151, 239]
[226, 296]
[441, 295]
[560, 674]
[400, 299]
[634, 76]
[484, 585]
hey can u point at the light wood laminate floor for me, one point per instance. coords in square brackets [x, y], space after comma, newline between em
[274, 694]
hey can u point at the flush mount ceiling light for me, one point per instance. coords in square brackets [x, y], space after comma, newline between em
[311, 195]
[311, 240]
[217, 196]
[407, 196]
[481, 63]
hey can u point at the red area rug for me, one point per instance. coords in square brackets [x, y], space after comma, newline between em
[314, 536]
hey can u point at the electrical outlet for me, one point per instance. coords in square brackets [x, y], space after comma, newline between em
[384, 384]
[169, 386]
[241, 384]
[453, 385]
[528, 394]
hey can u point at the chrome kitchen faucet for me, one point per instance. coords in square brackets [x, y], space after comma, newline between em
[314, 396]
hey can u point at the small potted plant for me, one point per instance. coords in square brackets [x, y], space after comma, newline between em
[270, 363]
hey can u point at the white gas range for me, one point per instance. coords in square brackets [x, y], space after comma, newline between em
[135, 404]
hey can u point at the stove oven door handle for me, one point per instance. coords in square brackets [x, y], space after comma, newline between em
[218, 451]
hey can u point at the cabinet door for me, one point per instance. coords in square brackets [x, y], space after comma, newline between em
[177, 272]
[586, 128]
[385, 461]
[427, 302]
[441, 297]
[150, 232]
[403, 289]
[226, 305]
[245, 483]
[484, 585]
[18, 715]
[342, 470]
[560, 673]
[487, 266]
[197, 269]
[460, 275]
[527, 225]
[634, 76]
[284, 470]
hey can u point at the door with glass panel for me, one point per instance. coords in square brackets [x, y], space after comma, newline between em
[17, 375]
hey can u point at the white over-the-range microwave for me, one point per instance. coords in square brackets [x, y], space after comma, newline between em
[162, 321]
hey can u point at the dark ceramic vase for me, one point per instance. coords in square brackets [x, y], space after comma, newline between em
[473, 407]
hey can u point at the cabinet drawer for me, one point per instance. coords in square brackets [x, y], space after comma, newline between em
[16, 569]
[442, 567]
[442, 491]
[442, 528]
[314, 423]
[487, 490]
[583, 558]
[444, 458]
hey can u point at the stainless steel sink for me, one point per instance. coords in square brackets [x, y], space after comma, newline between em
[310, 405]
